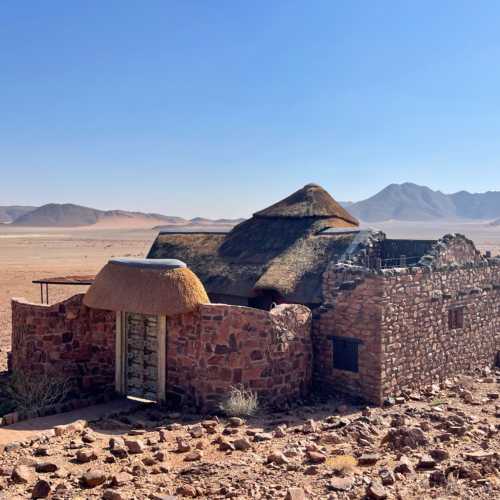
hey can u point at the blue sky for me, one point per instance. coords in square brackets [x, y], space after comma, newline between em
[218, 108]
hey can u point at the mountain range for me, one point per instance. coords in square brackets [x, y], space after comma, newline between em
[411, 202]
[400, 202]
[70, 215]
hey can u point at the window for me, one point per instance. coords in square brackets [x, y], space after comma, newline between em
[456, 318]
[345, 354]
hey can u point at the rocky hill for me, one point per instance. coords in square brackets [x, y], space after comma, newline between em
[411, 202]
[55, 215]
[70, 215]
[10, 213]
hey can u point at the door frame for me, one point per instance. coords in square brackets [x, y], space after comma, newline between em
[121, 355]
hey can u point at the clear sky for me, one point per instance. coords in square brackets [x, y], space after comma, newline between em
[218, 108]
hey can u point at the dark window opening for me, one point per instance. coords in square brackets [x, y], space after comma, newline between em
[456, 318]
[265, 299]
[345, 354]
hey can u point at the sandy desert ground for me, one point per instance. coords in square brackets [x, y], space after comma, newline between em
[30, 253]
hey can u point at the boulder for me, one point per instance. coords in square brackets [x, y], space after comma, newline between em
[368, 459]
[341, 483]
[186, 490]
[242, 444]
[295, 494]
[121, 479]
[277, 458]
[46, 467]
[437, 478]
[93, 478]
[112, 495]
[86, 455]
[22, 475]
[193, 456]
[376, 491]
[316, 457]
[41, 489]
[134, 446]
[236, 422]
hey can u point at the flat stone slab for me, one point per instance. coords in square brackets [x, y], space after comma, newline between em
[28, 429]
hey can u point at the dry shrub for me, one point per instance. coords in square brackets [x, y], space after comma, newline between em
[455, 487]
[240, 403]
[34, 392]
[342, 463]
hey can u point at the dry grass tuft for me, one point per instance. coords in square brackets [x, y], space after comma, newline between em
[342, 463]
[240, 403]
[32, 393]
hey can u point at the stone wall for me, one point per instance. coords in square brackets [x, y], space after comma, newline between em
[208, 351]
[352, 310]
[221, 346]
[66, 339]
[418, 347]
[452, 250]
[400, 316]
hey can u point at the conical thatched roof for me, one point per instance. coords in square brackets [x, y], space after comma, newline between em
[310, 201]
[283, 248]
[161, 286]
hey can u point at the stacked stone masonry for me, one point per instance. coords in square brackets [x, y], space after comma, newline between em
[401, 318]
[418, 345]
[353, 313]
[209, 351]
[223, 346]
[452, 250]
[66, 340]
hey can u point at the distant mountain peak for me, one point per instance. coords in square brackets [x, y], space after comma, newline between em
[412, 202]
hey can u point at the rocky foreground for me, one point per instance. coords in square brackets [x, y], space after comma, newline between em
[440, 443]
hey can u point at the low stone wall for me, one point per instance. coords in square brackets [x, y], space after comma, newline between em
[220, 346]
[66, 339]
[208, 351]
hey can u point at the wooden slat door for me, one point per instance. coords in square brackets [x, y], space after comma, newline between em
[141, 351]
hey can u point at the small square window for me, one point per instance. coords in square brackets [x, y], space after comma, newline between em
[345, 354]
[456, 318]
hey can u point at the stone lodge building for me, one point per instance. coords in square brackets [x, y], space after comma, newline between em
[301, 298]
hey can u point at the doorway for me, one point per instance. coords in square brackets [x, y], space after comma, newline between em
[141, 356]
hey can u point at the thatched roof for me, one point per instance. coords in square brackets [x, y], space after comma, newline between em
[165, 287]
[293, 269]
[280, 249]
[310, 201]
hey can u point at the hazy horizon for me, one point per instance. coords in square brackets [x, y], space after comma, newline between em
[226, 217]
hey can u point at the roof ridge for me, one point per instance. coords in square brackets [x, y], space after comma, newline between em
[311, 201]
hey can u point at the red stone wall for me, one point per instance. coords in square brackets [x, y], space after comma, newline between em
[221, 346]
[418, 346]
[67, 339]
[208, 352]
[352, 309]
